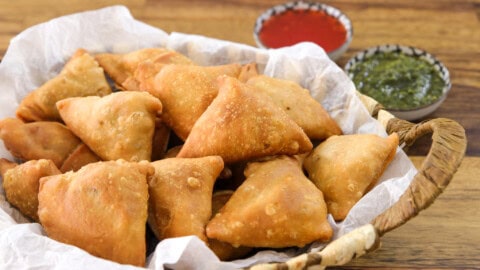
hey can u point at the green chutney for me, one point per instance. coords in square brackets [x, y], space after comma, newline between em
[398, 81]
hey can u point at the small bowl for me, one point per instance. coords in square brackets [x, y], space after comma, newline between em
[335, 39]
[416, 112]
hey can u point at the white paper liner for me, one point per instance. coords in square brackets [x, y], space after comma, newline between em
[39, 53]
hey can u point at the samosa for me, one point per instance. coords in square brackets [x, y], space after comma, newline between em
[241, 124]
[181, 195]
[117, 126]
[101, 208]
[81, 76]
[276, 206]
[346, 167]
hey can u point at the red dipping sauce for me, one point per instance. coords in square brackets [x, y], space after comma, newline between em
[294, 26]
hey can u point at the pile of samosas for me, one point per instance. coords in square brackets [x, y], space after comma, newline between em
[237, 158]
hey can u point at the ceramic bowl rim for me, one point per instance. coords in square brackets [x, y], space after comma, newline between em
[304, 5]
[410, 51]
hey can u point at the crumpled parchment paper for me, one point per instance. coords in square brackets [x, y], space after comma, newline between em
[39, 53]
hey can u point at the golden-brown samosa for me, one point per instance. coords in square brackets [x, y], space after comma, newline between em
[160, 140]
[232, 176]
[45, 140]
[101, 208]
[117, 126]
[242, 124]
[81, 76]
[346, 167]
[144, 75]
[187, 91]
[172, 152]
[276, 206]
[297, 102]
[122, 67]
[6, 165]
[21, 183]
[223, 250]
[81, 156]
[248, 71]
[180, 201]
[38, 140]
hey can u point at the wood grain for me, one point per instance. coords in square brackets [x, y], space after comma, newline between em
[447, 234]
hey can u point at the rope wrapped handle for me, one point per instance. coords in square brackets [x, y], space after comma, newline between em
[446, 153]
[442, 161]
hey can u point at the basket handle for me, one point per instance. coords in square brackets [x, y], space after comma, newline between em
[442, 161]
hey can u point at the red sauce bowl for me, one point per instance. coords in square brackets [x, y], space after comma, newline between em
[294, 22]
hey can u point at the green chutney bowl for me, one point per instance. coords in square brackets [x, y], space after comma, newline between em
[409, 82]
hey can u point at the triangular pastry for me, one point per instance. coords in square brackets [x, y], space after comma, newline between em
[172, 152]
[117, 126]
[38, 140]
[276, 206]
[241, 124]
[82, 155]
[161, 138]
[181, 196]
[122, 67]
[346, 167]
[187, 91]
[248, 71]
[6, 165]
[297, 102]
[223, 250]
[144, 75]
[21, 183]
[81, 76]
[102, 208]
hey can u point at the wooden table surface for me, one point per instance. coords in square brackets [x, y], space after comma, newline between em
[446, 235]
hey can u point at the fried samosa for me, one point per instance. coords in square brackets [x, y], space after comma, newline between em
[172, 152]
[102, 208]
[81, 156]
[122, 67]
[161, 137]
[180, 201]
[6, 165]
[276, 206]
[241, 124]
[38, 140]
[21, 183]
[248, 71]
[144, 75]
[117, 126]
[346, 167]
[297, 102]
[80, 77]
[223, 250]
[187, 91]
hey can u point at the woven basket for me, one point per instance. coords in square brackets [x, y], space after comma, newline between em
[444, 157]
